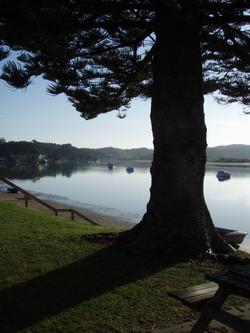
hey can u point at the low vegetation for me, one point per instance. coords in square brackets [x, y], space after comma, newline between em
[41, 152]
[53, 280]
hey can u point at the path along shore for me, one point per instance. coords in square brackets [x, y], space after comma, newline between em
[101, 219]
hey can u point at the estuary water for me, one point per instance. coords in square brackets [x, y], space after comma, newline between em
[125, 195]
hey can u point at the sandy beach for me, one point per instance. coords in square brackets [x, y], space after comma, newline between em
[101, 219]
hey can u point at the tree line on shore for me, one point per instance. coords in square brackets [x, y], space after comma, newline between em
[40, 152]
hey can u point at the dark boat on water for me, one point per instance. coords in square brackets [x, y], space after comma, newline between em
[223, 175]
[130, 169]
[233, 237]
[110, 166]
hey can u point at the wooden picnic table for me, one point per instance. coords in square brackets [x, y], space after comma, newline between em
[234, 281]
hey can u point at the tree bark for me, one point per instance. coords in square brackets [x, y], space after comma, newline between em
[177, 220]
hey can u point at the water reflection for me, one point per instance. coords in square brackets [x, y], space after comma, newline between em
[229, 201]
[119, 193]
[114, 192]
[222, 179]
[36, 171]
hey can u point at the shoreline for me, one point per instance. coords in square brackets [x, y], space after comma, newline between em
[229, 164]
[102, 219]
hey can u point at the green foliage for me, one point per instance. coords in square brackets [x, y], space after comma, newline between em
[14, 75]
[100, 52]
[67, 152]
[30, 151]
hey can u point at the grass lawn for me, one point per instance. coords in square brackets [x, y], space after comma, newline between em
[52, 280]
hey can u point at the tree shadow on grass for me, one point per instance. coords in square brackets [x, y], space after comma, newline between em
[27, 303]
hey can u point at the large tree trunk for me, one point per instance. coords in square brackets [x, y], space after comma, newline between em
[177, 220]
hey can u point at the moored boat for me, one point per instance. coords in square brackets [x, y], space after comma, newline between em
[110, 166]
[130, 169]
[223, 175]
[231, 236]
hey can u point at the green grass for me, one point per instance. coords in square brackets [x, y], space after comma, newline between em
[51, 280]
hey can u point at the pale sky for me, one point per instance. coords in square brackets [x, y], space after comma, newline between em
[33, 114]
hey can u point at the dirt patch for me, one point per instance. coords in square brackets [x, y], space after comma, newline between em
[102, 238]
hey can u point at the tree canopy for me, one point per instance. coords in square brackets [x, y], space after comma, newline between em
[100, 52]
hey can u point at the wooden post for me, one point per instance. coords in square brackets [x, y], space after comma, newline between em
[28, 196]
[26, 200]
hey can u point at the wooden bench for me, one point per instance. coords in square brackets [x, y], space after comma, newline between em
[197, 295]
[197, 298]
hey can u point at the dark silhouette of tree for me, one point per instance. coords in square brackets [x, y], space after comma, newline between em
[103, 53]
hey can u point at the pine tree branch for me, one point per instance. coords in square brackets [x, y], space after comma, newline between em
[109, 25]
[139, 67]
[121, 5]
[219, 20]
[219, 44]
[223, 6]
[102, 50]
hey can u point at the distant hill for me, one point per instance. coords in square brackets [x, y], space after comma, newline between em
[34, 151]
[126, 154]
[235, 153]
[23, 151]
[230, 153]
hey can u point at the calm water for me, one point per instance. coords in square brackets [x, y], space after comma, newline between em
[116, 192]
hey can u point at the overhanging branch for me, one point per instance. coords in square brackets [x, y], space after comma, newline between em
[219, 20]
[137, 71]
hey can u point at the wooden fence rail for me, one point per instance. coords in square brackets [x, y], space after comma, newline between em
[28, 196]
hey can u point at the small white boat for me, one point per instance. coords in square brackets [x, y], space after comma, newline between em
[130, 169]
[223, 175]
[231, 236]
